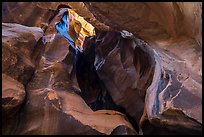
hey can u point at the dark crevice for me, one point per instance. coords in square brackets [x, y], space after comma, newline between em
[93, 90]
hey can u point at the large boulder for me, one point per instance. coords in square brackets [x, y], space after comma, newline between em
[18, 50]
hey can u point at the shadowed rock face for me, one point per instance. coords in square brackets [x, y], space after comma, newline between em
[177, 55]
[126, 68]
[157, 82]
[163, 84]
[13, 94]
[52, 104]
[86, 75]
[122, 130]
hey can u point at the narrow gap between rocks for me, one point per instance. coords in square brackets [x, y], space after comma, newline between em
[93, 90]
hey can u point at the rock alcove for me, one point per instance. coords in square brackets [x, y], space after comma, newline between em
[140, 73]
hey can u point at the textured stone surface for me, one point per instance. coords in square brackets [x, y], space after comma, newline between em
[126, 68]
[123, 130]
[52, 104]
[25, 13]
[93, 90]
[18, 44]
[55, 50]
[152, 20]
[13, 95]
[53, 107]
[175, 95]
[78, 7]
[128, 74]
[174, 32]
[159, 84]
[40, 14]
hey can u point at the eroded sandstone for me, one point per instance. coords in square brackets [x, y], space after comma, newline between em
[18, 44]
[158, 82]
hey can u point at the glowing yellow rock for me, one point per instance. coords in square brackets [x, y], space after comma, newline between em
[81, 27]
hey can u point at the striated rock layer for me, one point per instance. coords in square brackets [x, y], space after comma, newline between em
[157, 82]
[53, 107]
[177, 55]
[52, 104]
[126, 66]
[152, 21]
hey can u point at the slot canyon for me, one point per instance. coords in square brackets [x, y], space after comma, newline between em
[135, 68]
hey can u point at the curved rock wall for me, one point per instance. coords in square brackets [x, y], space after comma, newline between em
[152, 20]
[52, 104]
[157, 80]
[173, 30]
[126, 67]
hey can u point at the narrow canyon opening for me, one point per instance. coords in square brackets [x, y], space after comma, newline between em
[81, 68]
